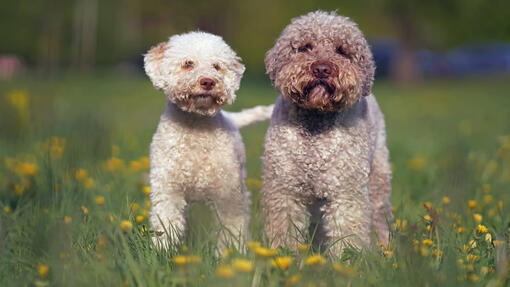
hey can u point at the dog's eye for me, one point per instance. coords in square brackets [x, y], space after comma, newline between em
[305, 48]
[188, 64]
[341, 51]
[217, 67]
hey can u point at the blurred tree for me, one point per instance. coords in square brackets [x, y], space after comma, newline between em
[85, 34]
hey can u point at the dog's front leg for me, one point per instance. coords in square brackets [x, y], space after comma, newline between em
[347, 220]
[233, 213]
[287, 218]
[167, 219]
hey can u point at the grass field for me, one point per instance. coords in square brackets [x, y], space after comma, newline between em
[74, 208]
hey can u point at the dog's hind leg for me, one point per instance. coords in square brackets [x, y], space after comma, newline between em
[380, 192]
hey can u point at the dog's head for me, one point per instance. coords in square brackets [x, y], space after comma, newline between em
[197, 71]
[321, 61]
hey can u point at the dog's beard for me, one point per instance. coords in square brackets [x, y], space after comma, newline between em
[319, 94]
[202, 103]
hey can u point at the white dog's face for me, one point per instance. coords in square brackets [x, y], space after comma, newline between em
[197, 71]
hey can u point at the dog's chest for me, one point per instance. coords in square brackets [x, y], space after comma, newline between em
[201, 158]
[335, 156]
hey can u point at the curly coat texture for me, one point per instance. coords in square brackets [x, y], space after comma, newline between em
[325, 156]
[197, 152]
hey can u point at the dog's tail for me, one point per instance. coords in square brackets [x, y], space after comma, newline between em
[250, 116]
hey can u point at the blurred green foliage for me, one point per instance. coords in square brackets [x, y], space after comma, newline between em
[54, 33]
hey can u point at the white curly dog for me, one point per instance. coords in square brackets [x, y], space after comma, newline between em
[197, 153]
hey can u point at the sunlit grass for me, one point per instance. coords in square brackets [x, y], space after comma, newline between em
[74, 192]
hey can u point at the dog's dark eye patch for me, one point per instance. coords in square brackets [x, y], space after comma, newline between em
[217, 66]
[340, 51]
[305, 48]
[188, 65]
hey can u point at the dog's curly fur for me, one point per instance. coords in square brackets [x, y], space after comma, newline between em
[197, 152]
[325, 150]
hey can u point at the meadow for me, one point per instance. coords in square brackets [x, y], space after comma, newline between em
[74, 196]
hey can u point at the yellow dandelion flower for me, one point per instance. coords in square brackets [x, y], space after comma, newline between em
[424, 251]
[461, 229]
[253, 183]
[135, 166]
[472, 244]
[26, 168]
[67, 219]
[427, 217]
[180, 260]
[282, 262]
[253, 244]
[394, 266]
[427, 242]
[472, 204]
[303, 247]
[144, 162]
[293, 279]
[139, 219]
[498, 243]
[85, 210]
[99, 200]
[242, 265]
[111, 218]
[446, 200]
[484, 270]
[225, 271]
[19, 189]
[101, 241]
[316, 259]
[81, 174]
[481, 229]
[114, 164]
[428, 228]
[465, 248]
[146, 190]
[404, 224]
[388, 253]
[417, 163]
[488, 198]
[438, 253]
[126, 225]
[478, 217]
[344, 269]
[226, 253]
[134, 206]
[7, 209]
[488, 237]
[428, 204]
[43, 270]
[472, 258]
[89, 183]
[263, 252]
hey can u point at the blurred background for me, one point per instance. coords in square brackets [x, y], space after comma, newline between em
[411, 39]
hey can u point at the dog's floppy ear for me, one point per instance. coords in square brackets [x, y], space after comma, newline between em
[152, 64]
[238, 66]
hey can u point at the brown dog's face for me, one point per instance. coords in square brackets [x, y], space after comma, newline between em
[321, 61]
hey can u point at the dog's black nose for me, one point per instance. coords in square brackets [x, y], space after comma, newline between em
[207, 84]
[322, 69]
